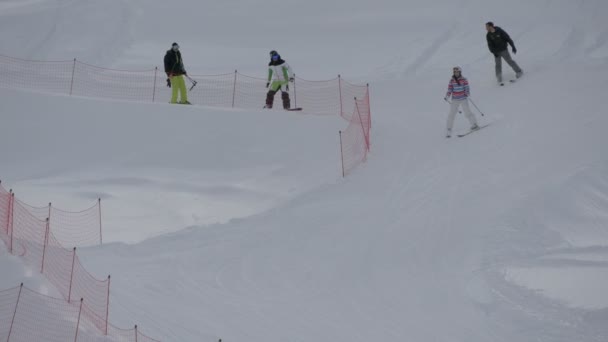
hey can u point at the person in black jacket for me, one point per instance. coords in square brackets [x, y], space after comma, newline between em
[174, 67]
[497, 43]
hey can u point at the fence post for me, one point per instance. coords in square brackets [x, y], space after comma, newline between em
[14, 314]
[234, 89]
[135, 332]
[8, 214]
[362, 127]
[369, 107]
[72, 275]
[341, 153]
[46, 241]
[11, 219]
[154, 89]
[100, 236]
[73, 72]
[78, 323]
[340, 90]
[295, 93]
[108, 305]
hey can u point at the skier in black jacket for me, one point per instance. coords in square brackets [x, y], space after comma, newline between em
[174, 67]
[497, 43]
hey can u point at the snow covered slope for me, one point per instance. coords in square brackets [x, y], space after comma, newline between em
[499, 236]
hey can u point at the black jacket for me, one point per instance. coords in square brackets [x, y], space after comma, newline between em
[498, 40]
[279, 61]
[174, 63]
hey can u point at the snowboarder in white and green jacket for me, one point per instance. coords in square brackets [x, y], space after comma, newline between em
[282, 74]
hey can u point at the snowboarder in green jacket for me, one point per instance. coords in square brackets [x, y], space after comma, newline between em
[282, 74]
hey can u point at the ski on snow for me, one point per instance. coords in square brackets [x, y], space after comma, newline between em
[469, 132]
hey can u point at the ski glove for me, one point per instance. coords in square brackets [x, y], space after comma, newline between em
[267, 84]
[291, 79]
[287, 87]
[169, 82]
[514, 50]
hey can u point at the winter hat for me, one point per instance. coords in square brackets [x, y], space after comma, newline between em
[174, 44]
[457, 68]
[274, 55]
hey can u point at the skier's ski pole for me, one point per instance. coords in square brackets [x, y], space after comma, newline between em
[476, 107]
[193, 82]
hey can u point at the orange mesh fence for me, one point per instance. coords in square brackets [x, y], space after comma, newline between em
[8, 300]
[26, 236]
[39, 235]
[58, 265]
[94, 81]
[52, 77]
[230, 90]
[355, 140]
[41, 318]
[74, 229]
[349, 92]
[26, 316]
[96, 292]
[210, 90]
[144, 338]
[319, 97]
[128, 335]
[250, 92]
[32, 239]
[121, 334]
[5, 198]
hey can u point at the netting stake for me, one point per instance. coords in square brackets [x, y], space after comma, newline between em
[108, 305]
[46, 241]
[14, 314]
[234, 89]
[295, 93]
[73, 72]
[100, 231]
[78, 323]
[341, 153]
[72, 275]
[340, 90]
[154, 88]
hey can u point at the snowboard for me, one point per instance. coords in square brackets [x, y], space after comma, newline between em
[297, 109]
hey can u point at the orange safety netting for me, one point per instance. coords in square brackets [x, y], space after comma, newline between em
[230, 90]
[26, 316]
[33, 239]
